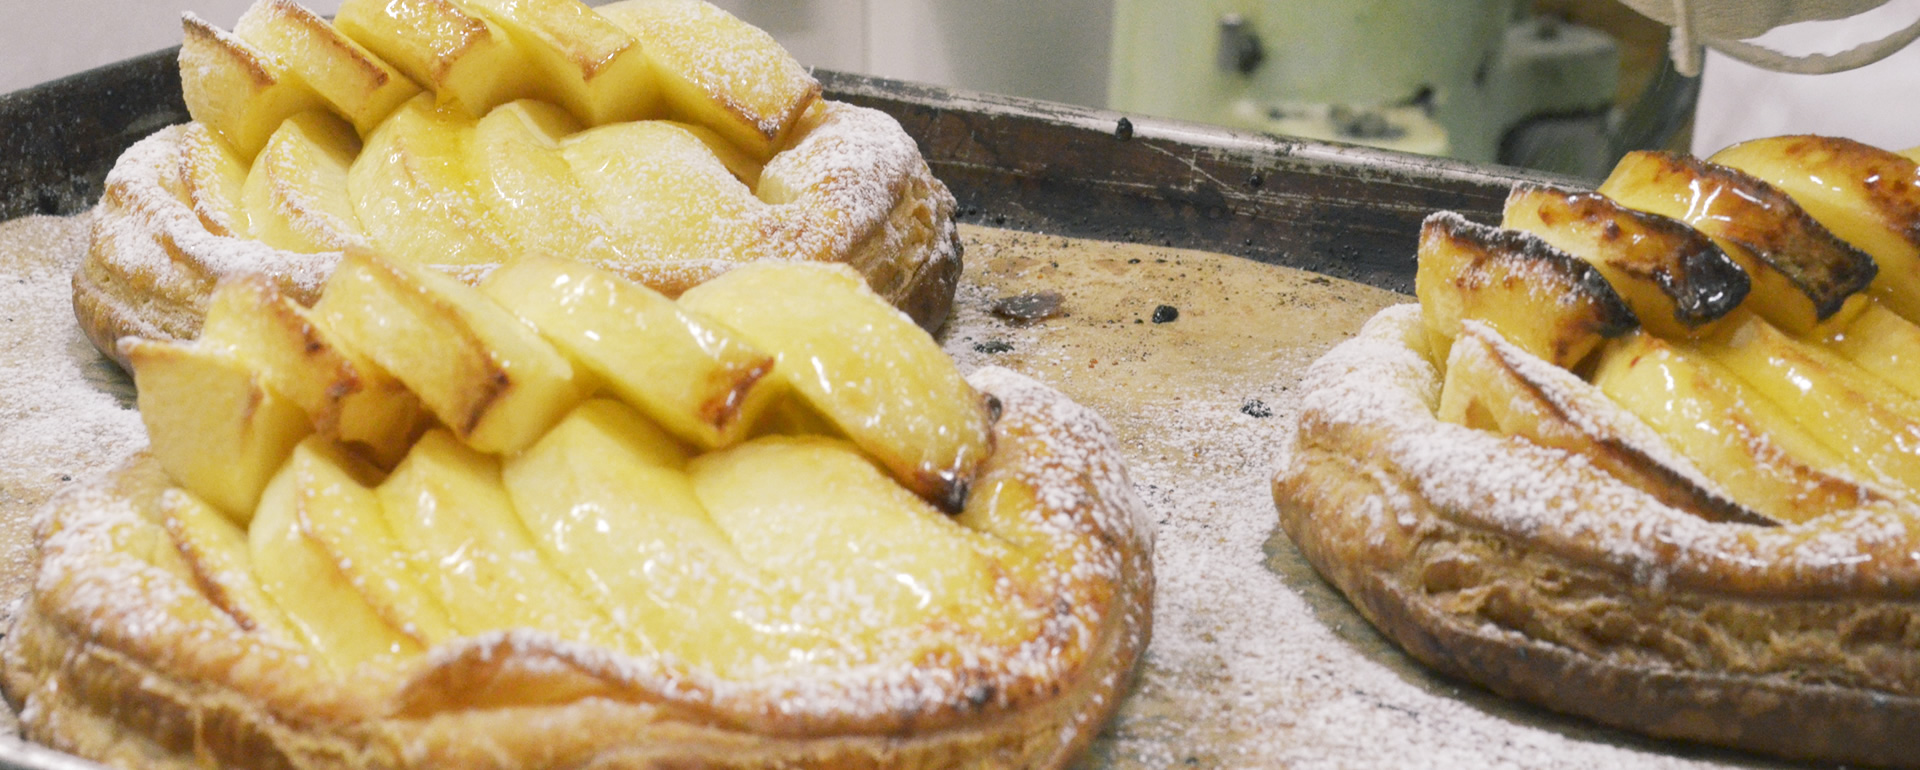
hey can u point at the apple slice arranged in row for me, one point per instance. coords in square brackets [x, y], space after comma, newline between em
[1765, 362]
[626, 61]
[595, 518]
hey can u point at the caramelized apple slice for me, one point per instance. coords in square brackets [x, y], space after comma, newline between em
[358, 85]
[213, 178]
[753, 101]
[591, 66]
[1739, 438]
[347, 396]
[411, 189]
[451, 516]
[1865, 195]
[605, 498]
[320, 601]
[483, 372]
[698, 379]
[216, 550]
[524, 181]
[862, 364]
[468, 61]
[212, 423]
[1873, 426]
[1492, 385]
[235, 89]
[1550, 304]
[1801, 274]
[296, 194]
[1676, 281]
[816, 512]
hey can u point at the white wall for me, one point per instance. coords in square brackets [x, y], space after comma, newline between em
[1049, 49]
[45, 39]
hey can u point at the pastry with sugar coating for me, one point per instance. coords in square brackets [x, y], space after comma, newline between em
[662, 139]
[1648, 456]
[618, 531]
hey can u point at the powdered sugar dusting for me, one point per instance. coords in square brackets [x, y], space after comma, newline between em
[1362, 391]
[1255, 662]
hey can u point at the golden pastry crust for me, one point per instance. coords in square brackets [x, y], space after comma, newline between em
[1530, 571]
[119, 656]
[853, 188]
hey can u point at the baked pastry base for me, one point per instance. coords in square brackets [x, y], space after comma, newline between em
[1528, 571]
[120, 656]
[860, 194]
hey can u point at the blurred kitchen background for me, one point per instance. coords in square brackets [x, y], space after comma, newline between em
[1560, 85]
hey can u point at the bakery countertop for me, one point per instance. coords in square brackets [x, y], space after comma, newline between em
[1198, 272]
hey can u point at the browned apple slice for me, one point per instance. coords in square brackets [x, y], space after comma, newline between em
[239, 91]
[1676, 281]
[1865, 195]
[1801, 273]
[357, 84]
[1549, 303]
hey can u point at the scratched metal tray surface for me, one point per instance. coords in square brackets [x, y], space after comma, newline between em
[1022, 165]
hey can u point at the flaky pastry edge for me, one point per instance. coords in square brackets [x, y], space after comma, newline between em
[1527, 570]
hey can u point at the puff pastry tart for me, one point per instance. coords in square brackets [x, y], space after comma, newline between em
[661, 139]
[768, 524]
[1651, 455]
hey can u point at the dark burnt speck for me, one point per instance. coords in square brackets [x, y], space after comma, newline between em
[1123, 130]
[1256, 408]
[993, 347]
[1028, 308]
[1166, 314]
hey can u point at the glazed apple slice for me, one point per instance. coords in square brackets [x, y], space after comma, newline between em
[451, 516]
[1549, 303]
[239, 91]
[296, 193]
[753, 100]
[698, 379]
[211, 422]
[646, 178]
[818, 513]
[1871, 424]
[1739, 438]
[347, 396]
[216, 550]
[591, 66]
[412, 190]
[468, 61]
[1492, 385]
[487, 376]
[347, 521]
[1676, 281]
[525, 182]
[213, 178]
[1801, 274]
[861, 363]
[356, 84]
[1865, 195]
[1884, 344]
[320, 601]
[605, 497]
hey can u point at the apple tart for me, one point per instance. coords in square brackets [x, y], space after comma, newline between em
[1648, 455]
[662, 139]
[561, 520]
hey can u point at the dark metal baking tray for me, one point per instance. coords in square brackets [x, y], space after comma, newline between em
[1348, 212]
[1343, 211]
